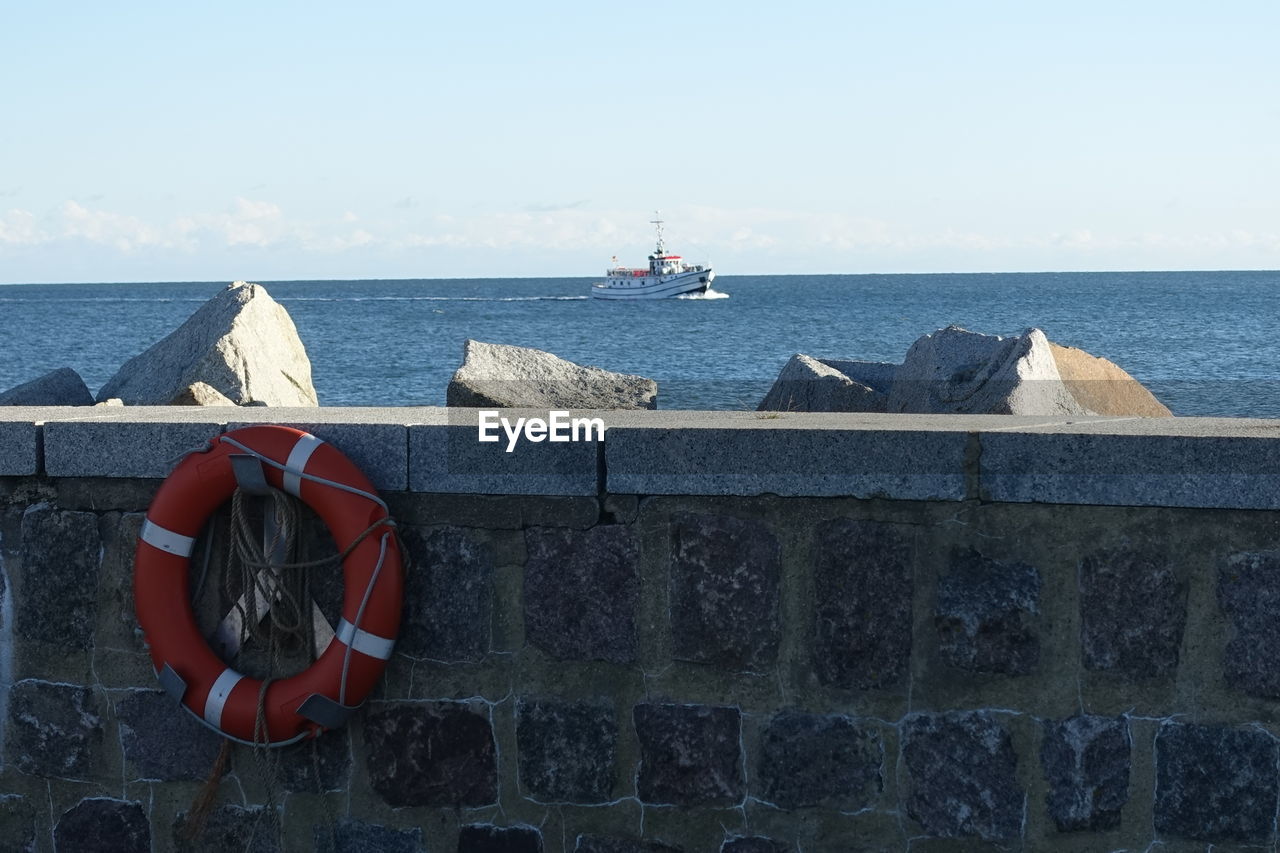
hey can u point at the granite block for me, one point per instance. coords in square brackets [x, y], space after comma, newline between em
[20, 444]
[449, 458]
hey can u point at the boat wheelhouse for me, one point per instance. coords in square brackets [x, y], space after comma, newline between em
[666, 276]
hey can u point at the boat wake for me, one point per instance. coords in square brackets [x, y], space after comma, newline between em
[710, 294]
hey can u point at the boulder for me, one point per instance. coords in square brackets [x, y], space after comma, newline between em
[241, 343]
[200, 394]
[815, 385]
[957, 371]
[520, 377]
[61, 387]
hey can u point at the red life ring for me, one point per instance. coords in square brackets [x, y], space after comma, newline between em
[323, 695]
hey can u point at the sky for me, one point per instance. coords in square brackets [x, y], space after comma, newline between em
[268, 141]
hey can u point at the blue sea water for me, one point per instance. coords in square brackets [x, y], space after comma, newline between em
[1205, 342]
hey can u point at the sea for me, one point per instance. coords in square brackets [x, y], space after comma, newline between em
[1206, 343]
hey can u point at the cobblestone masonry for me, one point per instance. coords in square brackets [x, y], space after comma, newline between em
[687, 673]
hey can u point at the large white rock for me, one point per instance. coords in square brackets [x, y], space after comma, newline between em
[957, 371]
[242, 343]
[808, 384]
[61, 387]
[520, 377]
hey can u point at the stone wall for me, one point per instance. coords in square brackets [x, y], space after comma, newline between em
[717, 661]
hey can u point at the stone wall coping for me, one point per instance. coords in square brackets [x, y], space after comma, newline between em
[1192, 462]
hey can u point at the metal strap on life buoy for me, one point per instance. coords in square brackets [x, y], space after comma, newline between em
[322, 696]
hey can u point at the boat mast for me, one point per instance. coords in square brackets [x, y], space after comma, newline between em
[661, 250]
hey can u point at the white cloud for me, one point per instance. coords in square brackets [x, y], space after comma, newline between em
[19, 228]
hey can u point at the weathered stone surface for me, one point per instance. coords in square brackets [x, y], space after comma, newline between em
[568, 750]
[102, 825]
[690, 755]
[1249, 595]
[603, 844]
[754, 844]
[520, 377]
[431, 754]
[54, 729]
[863, 588]
[963, 773]
[61, 387]
[60, 552]
[1132, 612]
[487, 838]
[200, 394]
[957, 371]
[581, 589]
[241, 342]
[17, 824]
[162, 741]
[229, 827]
[315, 766]
[353, 836]
[807, 384]
[725, 600]
[1086, 763]
[1102, 386]
[451, 594]
[814, 760]
[1215, 783]
[987, 615]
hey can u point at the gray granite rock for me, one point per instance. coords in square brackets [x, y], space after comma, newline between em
[581, 590]
[604, 844]
[876, 375]
[725, 600]
[1086, 762]
[61, 387]
[568, 750]
[754, 844]
[1132, 612]
[431, 754]
[987, 615]
[807, 384]
[1249, 595]
[863, 589]
[54, 730]
[315, 765]
[449, 596]
[1215, 784]
[18, 815]
[101, 825]
[59, 600]
[963, 776]
[352, 836]
[690, 755]
[162, 741]
[487, 838]
[496, 375]
[229, 827]
[200, 394]
[242, 343]
[814, 760]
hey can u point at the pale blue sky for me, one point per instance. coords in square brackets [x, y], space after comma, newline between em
[161, 141]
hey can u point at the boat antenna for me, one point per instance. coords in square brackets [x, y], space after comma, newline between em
[660, 251]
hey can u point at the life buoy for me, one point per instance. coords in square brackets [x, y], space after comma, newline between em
[324, 694]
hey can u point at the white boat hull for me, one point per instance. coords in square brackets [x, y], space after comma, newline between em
[654, 287]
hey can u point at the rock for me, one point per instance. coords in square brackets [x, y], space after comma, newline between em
[1249, 593]
[200, 394]
[487, 838]
[431, 754]
[162, 741]
[754, 844]
[1215, 783]
[352, 836]
[520, 377]
[54, 730]
[61, 387]
[102, 825]
[251, 829]
[109, 403]
[815, 760]
[18, 818]
[987, 615]
[568, 750]
[811, 385]
[604, 844]
[449, 593]
[1086, 763]
[61, 554]
[1133, 610]
[955, 371]
[690, 755]
[241, 343]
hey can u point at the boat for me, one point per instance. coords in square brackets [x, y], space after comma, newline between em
[666, 276]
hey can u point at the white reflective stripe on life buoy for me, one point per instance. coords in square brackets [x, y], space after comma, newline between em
[364, 642]
[297, 462]
[166, 540]
[218, 696]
